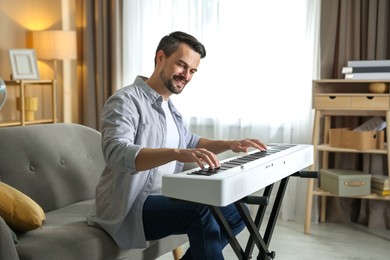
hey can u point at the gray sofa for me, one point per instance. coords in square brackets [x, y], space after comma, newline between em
[58, 166]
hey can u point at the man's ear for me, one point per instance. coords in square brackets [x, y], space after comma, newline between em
[160, 55]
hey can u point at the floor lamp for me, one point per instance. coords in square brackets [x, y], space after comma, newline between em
[55, 45]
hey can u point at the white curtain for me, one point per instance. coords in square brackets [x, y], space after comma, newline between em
[255, 80]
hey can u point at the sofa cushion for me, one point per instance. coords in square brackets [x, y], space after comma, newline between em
[18, 210]
[66, 235]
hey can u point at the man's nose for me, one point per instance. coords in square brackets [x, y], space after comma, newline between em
[186, 74]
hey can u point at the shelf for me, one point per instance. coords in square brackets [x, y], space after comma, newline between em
[328, 148]
[362, 94]
[22, 84]
[350, 81]
[320, 192]
[17, 123]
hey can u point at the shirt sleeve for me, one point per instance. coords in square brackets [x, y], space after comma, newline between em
[119, 124]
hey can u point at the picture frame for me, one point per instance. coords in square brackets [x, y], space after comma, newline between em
[24, 64]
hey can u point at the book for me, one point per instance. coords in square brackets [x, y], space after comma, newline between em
[374, 69]
[368, 75]
[380, 179]
[381, 192]
[379, 186]
[368, 63]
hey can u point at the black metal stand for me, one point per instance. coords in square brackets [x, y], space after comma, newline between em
[253, 226]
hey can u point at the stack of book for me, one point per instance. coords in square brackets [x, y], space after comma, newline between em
[380, 185]
[367, 69]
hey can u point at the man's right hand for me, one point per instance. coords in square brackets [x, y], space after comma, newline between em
[149, 158]
[200, 156]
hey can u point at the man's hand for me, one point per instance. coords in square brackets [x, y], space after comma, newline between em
[148, 158]
[219, 146]
[243, 145]
[200, 156]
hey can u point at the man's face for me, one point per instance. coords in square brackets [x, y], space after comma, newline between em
[178, 69]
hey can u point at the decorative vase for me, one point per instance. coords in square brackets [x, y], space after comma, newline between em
[30, 107]
[378, 87]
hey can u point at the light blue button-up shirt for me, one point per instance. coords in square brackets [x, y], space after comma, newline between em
[132, 118]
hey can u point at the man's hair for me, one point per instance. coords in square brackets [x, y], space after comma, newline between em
[170, 43]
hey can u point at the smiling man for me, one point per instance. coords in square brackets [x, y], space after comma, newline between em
[143, 138]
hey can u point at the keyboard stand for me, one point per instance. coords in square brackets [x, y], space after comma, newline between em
[253, 226]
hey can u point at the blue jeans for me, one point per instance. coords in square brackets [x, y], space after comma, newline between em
[163, 217]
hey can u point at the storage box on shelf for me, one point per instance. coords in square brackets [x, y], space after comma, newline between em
[336, 97]
[361, 140]
[24, 102]
[345, 182]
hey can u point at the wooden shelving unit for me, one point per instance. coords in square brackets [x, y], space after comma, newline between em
[342, 98]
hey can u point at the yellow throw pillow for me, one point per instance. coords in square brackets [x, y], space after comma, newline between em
[18, 210]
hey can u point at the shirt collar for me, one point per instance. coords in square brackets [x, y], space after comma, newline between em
[150, 93]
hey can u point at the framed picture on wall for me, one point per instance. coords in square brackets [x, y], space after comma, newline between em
[24, 64]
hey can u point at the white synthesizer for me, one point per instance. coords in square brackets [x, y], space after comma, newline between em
[239, 176]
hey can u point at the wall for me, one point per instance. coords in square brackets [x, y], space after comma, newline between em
[17, 19]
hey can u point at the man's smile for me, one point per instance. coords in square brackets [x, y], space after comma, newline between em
[180, 80]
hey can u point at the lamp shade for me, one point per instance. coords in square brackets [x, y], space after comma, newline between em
[55, 45]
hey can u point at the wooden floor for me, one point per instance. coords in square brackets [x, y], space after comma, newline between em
[326, 241]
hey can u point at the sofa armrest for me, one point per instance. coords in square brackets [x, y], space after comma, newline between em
[7, 246]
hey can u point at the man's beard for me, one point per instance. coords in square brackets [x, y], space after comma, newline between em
[168, 83]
